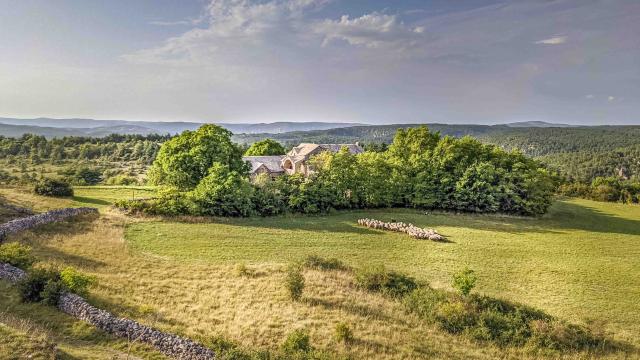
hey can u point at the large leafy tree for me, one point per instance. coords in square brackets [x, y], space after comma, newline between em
[223, 192]
[265, 147]
[186, 159]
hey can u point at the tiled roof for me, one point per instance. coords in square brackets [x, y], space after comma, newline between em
[270, 162]
[304, 149]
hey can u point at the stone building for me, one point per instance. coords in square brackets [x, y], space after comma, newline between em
[295, 161]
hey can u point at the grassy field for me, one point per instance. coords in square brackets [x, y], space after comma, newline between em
[581, 262]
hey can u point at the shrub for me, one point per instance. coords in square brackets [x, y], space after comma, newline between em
[16, 254]
[558, 335]
[87, 176]
[297, 341]
[295, 281]
[424, 302]
[121, 180]
[52, 187]
[343, 333]
[52, 291]
[502, 328]
[391, 283]
[242, 270]
[320, 263]
[455, 316]
[41, 285]
[75, 281]
[464, 281]
[267, 196]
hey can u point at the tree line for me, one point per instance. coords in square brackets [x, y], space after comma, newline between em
[202, 173]
[38, 149]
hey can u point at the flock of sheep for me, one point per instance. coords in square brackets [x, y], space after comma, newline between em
[410, 229]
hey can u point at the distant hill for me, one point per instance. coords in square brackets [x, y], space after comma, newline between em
[91, 127]
[541, 124]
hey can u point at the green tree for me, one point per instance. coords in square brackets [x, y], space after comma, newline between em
[464, 281]
[185, 160]
[223, 192]
[265, 147]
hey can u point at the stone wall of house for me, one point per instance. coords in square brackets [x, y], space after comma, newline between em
[29, 222]
[410, 229]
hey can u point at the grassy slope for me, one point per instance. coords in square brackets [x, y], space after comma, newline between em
[30, 329]
[579, 262]
[18, 344]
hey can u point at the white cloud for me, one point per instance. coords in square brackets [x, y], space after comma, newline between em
[556, 40]
[371, 30]
[611, 98]
[284, 59]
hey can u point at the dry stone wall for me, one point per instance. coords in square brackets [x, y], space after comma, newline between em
[11, 273]
[171, 345]
[410, 229]
[29, 222]
[74, 305]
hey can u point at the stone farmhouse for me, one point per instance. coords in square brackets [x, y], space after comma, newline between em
[295, 161]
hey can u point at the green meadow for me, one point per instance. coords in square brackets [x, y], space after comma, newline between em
[580, 263]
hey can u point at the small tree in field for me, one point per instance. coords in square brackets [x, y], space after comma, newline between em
[464, 281]
[295, 281]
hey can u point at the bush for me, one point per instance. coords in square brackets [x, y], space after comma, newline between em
[297, 341]
[16, 254]
[464, 281]
[558, 335]
[121, 180]
[343, 333]
[390, 283]
[424, 302]
[320, 263]
[87, 176]
[242, 270]
[455, 316]
[52, 187]
[295, 281]
[75, 281]
[52, 291]
[41, 285]
[46, 285]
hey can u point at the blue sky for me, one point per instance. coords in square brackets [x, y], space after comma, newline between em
[467, 61]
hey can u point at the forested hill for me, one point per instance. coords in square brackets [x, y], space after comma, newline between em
[370, 133]
[533, 141]
[582, 152]
[546, 141]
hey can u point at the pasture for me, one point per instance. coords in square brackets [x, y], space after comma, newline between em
[580, 262]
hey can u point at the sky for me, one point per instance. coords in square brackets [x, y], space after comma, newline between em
[378, 61]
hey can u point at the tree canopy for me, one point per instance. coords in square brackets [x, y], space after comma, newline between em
[265, 147]
[185, 160]
[421, 169]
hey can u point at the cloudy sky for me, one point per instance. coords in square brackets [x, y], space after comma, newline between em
[378, 61]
